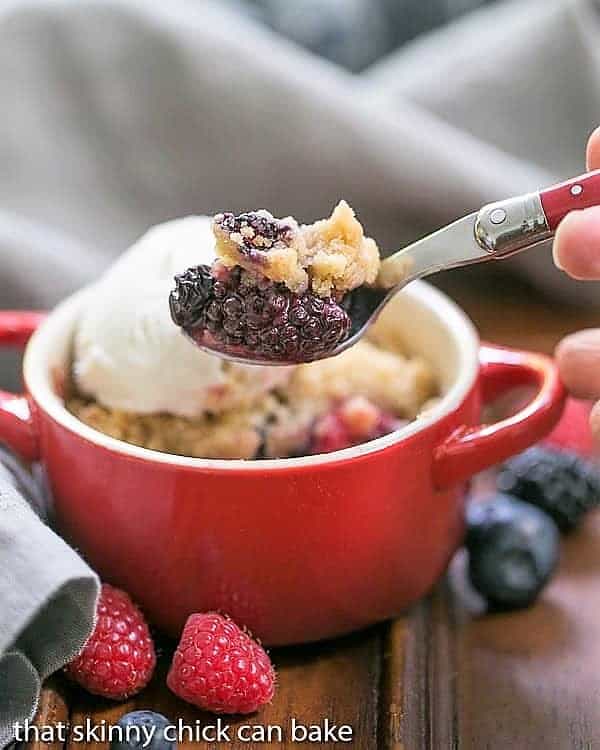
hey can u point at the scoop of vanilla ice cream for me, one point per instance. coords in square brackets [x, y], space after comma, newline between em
[128, 353]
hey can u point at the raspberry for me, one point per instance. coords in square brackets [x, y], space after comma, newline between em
[118, 658]
[329, 434]
[250, 316]
[356, 420]
[559, 483]
[218, 667]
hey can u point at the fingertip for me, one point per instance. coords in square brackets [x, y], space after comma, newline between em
[562, 356]
[576, 248]
[593, 150]
[564, 240]
[578, 361]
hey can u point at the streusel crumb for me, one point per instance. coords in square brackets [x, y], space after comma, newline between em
[229, 435]
[391, 382]
[260, 243]
[339, 256]
[329, 257]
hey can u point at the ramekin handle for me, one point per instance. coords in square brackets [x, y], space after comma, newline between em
[471, 449]
[17, 423]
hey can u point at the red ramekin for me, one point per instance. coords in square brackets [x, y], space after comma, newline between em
[296, 549]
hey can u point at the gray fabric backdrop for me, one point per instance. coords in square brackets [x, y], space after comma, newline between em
[121, 113]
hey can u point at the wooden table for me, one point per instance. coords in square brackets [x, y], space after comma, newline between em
[445, 675]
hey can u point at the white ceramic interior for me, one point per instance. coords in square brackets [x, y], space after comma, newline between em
[427, 322]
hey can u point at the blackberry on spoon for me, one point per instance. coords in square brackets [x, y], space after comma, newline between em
[332, 256]
[258, 304]
[239, 314]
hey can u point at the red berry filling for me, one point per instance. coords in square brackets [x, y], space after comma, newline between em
[355, 421]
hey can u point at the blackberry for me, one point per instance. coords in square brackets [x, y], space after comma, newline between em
[143, 730]
[254, 231]
[513, 550]
[193, 290]
[560, 483]
[238, 313]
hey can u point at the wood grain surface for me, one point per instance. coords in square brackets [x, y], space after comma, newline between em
[447, 675]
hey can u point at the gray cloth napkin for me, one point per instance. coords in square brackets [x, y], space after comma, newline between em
[47, 597]
[118, 114]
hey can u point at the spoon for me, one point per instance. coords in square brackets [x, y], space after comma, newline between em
[497, 231]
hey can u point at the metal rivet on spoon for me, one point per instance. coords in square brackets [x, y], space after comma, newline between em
[497, 216]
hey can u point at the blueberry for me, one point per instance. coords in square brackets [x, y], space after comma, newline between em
[513, 550]
[143, 730]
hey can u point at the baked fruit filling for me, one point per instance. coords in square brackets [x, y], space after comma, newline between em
[276, 290]
[356, 420]
[362, 394]
[133, 376]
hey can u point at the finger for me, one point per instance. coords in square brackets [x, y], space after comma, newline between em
[578, 360]
[576, 246]
[593, 150]
[577, 241]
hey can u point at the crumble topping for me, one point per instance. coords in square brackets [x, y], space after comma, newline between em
[281, 423]
[329, 258]
[339, 256]
[259, 242]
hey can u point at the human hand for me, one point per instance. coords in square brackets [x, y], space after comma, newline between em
[577, 252]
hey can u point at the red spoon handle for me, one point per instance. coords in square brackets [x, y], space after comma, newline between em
[579, 192]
